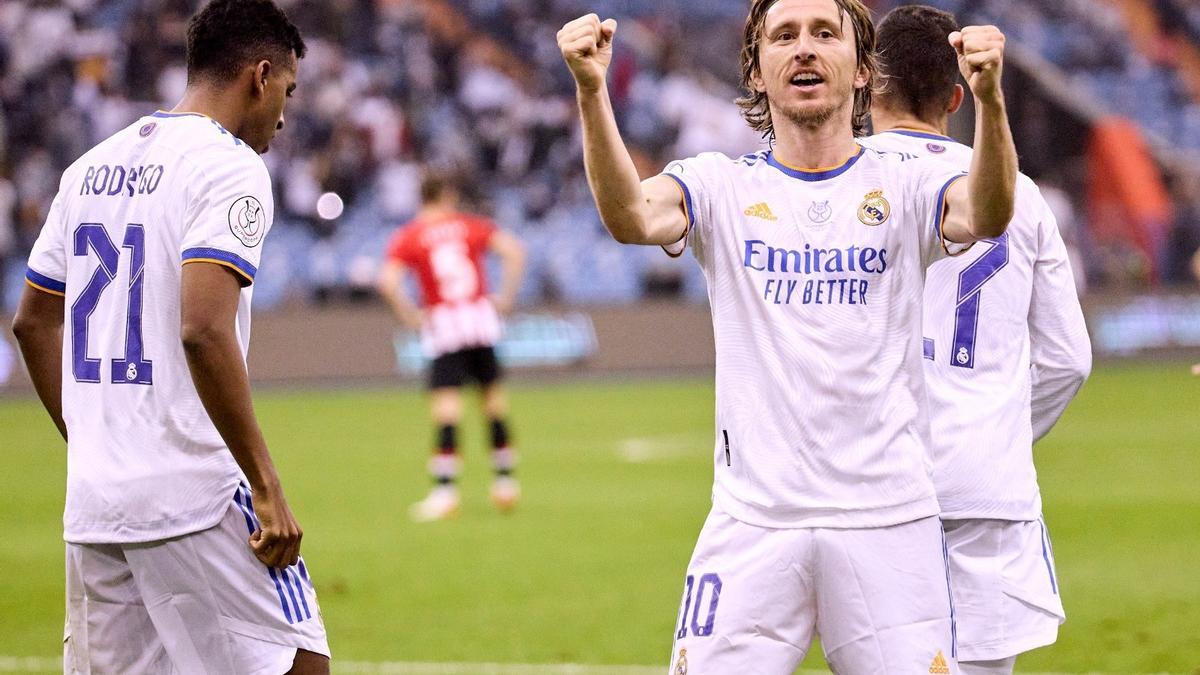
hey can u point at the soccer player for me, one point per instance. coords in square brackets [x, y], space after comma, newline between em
[824, 516]
[182, 555]
[460, 325]
[1006, 349]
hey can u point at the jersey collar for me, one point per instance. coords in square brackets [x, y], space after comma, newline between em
[920, 134]
[164, 113]
[815, 174]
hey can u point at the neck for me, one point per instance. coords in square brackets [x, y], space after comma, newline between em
[435, 210]
[885, 118]
[213, 103]
[805, 147]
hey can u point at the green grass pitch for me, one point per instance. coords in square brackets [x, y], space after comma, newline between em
[616, 477]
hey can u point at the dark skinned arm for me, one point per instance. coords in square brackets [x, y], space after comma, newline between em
[209, 305]
[38, 327]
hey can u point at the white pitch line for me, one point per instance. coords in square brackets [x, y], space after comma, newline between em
[642, 450]
[42, 664]
[30, 664]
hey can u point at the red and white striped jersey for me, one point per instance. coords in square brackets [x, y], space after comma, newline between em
[446, 253]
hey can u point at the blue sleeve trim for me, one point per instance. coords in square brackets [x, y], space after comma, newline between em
[216, 255]
[687, 199]
[43, 281]
[940, 204]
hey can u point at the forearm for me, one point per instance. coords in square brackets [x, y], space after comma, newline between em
[1052, 391]
[611, 173]
[992, 181]
[221, 380]
[403, 308]
[511, 272]
[41, 347]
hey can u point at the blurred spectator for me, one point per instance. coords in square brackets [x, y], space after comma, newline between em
[477, 88]
[1183, 242]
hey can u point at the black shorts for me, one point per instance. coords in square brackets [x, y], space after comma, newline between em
[476, 364]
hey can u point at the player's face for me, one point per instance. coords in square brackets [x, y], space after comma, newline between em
[266, 119]
[808, 65]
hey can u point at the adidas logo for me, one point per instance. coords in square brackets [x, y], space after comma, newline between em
[939, 665]
[761, 210]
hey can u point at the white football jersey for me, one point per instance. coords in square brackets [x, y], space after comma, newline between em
[144, 461]
[815, 280]
[980, 309]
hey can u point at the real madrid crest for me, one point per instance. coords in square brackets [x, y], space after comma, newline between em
[875, 209]
[681, 663]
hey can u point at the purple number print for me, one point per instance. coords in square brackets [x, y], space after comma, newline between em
[705, 630]
[687, 605]
[133, 368]
[90, 236]
[694, 603]
[970, 289]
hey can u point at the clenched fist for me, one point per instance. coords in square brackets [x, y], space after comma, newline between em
[586, 46]
[980, 59]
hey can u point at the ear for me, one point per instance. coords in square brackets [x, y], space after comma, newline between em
[956, 100]
[262, 71]
[756, 79]
[862, 78]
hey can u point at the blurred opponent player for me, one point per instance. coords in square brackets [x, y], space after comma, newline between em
[1001, 321]
[460, 325]
[824, 517]
[182, 555]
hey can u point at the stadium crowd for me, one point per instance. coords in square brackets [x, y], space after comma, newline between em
[476, 87]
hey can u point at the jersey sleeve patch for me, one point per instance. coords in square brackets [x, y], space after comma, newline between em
[219, 257]
[247, 220]
[44, 283]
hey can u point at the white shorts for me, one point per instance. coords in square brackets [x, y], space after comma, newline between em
[199, 603]
[1005, 590]
[755, 597]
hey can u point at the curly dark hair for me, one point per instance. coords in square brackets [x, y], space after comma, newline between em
[227, 35]
[920, 64]
[755, 107]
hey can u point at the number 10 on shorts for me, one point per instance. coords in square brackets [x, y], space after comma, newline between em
[699, 599]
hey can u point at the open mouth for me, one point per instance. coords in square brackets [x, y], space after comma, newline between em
[807, 81]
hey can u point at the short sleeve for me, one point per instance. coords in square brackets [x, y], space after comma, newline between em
[479, 233]
[929, 181]
[47, 268]
[230, 213]
[399, 246]
[695, 177]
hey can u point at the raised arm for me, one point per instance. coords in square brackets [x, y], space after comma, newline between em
[38, 328]
[982, 207]
[512, 268]
[209, 305]
[635, 212]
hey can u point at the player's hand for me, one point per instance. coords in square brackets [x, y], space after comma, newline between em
[586, 45]
[276, 542]
[981, 60]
